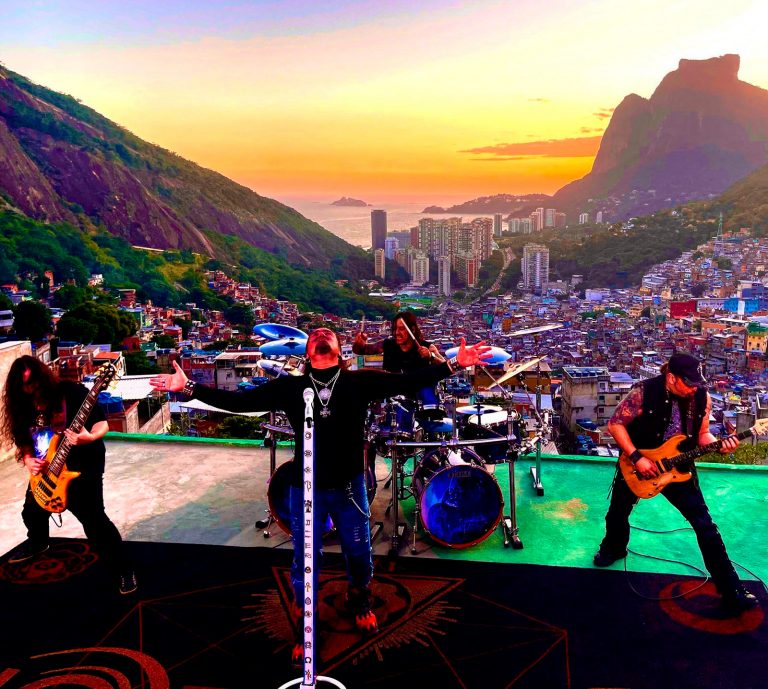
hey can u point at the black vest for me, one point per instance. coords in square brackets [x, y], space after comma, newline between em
[647, 430]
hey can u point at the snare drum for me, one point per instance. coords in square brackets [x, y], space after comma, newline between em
[490, 425]
[459, 501]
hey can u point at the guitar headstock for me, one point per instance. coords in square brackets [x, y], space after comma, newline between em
[760, 427]
[106, 377]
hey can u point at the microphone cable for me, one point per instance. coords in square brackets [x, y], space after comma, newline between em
[702, 572]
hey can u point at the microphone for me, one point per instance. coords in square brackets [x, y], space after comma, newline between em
[309, 397]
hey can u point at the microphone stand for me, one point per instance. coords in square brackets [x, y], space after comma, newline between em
[308, 678]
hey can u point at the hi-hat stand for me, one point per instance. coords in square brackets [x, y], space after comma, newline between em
[397, 536]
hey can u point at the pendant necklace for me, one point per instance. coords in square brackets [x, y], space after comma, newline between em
[324, 392]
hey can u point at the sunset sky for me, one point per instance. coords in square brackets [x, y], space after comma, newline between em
[427, 101]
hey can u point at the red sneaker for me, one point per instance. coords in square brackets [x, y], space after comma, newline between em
[367, 623]
[297, 656]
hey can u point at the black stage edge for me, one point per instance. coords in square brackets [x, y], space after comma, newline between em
[217, 617]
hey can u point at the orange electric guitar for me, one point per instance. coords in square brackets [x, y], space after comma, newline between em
[668, 459]
[50, 486]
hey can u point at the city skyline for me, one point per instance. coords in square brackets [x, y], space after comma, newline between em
[381, 101]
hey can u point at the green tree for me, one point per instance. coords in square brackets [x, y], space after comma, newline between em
[137, 363]
[185, 324]
[69, 296]
[697, 289]
[164, 341]
[241, 316]
[5, 302]
[724, 263]
[246, 427]
[32, 321]
[103, 323]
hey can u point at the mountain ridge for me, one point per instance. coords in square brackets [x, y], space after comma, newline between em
[700, 131]
[63, 161]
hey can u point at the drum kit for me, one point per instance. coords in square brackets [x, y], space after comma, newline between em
[454, 451]
[458, 500]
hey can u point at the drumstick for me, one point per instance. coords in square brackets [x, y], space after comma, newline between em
[408, 330]
[362, 324]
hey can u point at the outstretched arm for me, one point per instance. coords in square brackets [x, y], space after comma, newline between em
[173, 382]
[265, 397]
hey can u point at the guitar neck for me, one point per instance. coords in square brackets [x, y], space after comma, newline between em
[704, 449]
[63, 448]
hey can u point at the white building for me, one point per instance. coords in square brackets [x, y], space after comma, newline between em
[444, 276]
[535, 267]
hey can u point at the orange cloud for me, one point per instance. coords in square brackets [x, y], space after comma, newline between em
[551, 148]
[604, 113]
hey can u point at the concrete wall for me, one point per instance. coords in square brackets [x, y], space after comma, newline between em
[159, 422]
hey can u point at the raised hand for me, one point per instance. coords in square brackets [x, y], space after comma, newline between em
[472, 355]
[169, 382]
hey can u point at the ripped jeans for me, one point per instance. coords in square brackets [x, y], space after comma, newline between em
[348, 509]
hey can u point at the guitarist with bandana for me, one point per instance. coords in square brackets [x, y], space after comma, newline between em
[675, 403]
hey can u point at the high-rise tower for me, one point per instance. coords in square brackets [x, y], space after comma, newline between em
[378, 229]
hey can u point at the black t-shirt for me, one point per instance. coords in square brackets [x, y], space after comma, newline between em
[88, 459]
[398, 361]
[339, 437]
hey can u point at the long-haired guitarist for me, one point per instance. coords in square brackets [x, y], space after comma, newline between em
[37, 407]
[675, 403]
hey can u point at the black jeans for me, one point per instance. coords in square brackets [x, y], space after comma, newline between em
[689, 501]
[85, 500]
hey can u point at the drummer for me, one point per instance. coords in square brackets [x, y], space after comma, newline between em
[403, 351]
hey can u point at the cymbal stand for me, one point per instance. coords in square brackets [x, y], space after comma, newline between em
[509, 523]
[369, 451]
[270, 441]
[541, 427]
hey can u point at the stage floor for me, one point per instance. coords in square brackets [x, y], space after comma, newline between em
[211, 607]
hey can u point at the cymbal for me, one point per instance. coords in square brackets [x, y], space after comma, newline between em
[278, 331]
[532, 331]
[478, 409]
[286, 346]
[498, 355]
[515, 370]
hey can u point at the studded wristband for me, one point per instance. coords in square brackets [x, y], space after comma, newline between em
[189, 388]
[635, 456]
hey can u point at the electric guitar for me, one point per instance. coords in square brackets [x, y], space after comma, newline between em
[50, 486]
[668, 459]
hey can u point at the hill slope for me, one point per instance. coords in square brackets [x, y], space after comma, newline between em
[60, 160]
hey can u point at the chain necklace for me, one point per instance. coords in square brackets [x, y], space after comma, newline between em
[324, 392]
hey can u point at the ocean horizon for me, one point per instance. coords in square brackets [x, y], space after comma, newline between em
[353, 223]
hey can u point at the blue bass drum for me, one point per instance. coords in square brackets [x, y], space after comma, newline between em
[460, 503]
